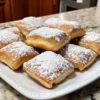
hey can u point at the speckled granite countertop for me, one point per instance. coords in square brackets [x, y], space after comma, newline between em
[90, 20]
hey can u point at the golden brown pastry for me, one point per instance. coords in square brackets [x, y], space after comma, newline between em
[72, 28]
[7, 37]
[26, 25]
[91, 40]
[15, 30]
[47, 38]
[48, 68]
[16, 53]
[80, 57]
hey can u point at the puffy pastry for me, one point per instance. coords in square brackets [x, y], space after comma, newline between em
[72, 28]
[26, 25]
[80, 57]
[48, 68]
[15, 30]
[7, 37]
[47, 38]
[16, 53]
[91, 40]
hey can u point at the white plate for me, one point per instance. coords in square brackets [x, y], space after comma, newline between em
[29, 88]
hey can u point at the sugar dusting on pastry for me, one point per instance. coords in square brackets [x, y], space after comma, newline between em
[73, 23]
[57, 21]
[91, 36]
[77, 54]
[46, 32]
[12, 29]
[30, 23]
[18, 49]
[8, 37]
[48, 65]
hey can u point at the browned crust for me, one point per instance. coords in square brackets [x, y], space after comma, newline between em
[90, 45]
[70, 30]
[22, 29]
[47, 44]
[14, 64]
[44, 82]
[47, 83]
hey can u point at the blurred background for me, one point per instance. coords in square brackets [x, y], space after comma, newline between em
[17, 9]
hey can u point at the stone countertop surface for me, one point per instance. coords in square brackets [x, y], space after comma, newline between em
[90, 21]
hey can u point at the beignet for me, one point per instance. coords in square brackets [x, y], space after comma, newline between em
[80, 57]
[26, 25]
[47, 38]
[16, 53]
[7, 37]
[15, 30]
[91, 40]
[72, 28]
[48, 68]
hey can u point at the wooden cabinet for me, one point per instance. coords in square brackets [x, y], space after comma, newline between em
[2, 3]
[48, 7]
[42, 7]
[1, 14]
[17, 9]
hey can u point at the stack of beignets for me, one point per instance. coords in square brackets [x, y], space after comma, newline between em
[53, 36]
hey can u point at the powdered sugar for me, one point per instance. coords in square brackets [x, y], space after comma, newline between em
[57, 22]
[73, 23]
[12, 29]
[18, 50]
[91, 36]
[48, 65]
[77, 54]
[8, 37]
[46, 32]
[30, 23]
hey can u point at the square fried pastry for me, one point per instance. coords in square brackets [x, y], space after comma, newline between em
[91, 40]
[51, 39]
[7, 37]
[26, 25]
[48, 68]
[15, 30]
[72, 28]
[80, 57]
[16, 53]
